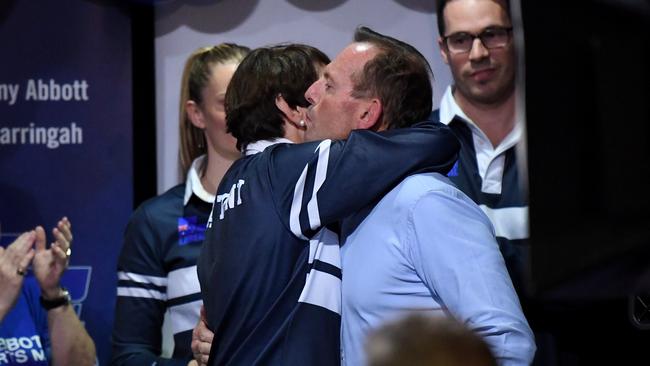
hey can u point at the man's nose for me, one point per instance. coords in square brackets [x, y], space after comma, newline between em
[478, 50]
[310, 94]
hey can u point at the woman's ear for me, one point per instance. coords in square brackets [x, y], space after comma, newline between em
[195, 114]
[293, 115]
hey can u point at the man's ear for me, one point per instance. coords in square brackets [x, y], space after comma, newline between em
[443, 50]
[371, 115]
[195, 114]
[293, 114]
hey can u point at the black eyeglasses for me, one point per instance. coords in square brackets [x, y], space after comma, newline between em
[493, 37]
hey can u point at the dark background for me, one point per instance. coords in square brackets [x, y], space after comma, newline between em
[588, 127]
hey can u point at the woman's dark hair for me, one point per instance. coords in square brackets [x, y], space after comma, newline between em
[286, 70]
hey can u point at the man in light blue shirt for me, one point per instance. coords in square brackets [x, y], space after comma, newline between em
[426, 246]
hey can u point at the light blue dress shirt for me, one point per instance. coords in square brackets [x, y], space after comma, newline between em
[427, 247]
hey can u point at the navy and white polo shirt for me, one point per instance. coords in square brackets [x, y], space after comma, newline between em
[157, 274]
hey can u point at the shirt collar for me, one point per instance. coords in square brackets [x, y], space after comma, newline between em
[259, 146]
[450, 109]
[193, 183]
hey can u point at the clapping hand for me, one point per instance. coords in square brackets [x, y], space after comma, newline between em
[14, 261]
[50, 263]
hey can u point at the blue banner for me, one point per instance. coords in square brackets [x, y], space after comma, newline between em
[66, 139]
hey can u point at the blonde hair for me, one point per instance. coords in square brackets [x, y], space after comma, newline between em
[196, 75]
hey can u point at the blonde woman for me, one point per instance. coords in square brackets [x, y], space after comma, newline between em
[157, 265]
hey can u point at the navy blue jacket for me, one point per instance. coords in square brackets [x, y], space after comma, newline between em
[270, 298]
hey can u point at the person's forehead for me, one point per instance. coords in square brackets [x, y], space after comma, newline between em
[219, 76]
[351, 59]
[474, 15]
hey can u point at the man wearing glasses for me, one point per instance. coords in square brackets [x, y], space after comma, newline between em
[476, 42]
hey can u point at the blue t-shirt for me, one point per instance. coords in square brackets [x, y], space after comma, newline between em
[24, 338]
